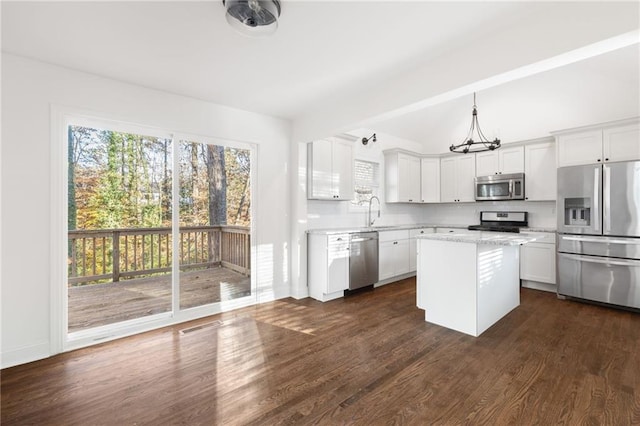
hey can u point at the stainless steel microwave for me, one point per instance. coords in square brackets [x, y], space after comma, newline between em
[500, 187]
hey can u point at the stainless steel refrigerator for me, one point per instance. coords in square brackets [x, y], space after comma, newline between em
[599, 233]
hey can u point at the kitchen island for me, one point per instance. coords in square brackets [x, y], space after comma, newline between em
[468, 280]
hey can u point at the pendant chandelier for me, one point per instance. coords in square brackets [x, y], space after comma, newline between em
[481, 143]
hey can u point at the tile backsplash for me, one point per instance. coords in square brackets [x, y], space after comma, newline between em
[542, 214]
[331, 214]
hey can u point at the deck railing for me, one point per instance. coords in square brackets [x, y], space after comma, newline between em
[119, 254]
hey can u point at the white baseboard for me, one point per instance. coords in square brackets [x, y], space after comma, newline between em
[394, 279]
[25, 354]
[552, 288]
[299, 292]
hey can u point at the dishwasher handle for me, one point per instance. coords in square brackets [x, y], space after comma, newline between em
[360, 239]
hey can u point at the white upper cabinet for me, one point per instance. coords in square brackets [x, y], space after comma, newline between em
[580, 148]
[402, 177]
[456, 178]
[487, 163]
[619, 142]
[540, 171]
[342, 161]
[501, 161]
[430, 174]
[329, 170]
[511, 159]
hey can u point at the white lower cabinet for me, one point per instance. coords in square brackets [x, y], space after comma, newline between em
[538, 262]
[327, 265]
[393, 254]
[447, 230]
[413, 247]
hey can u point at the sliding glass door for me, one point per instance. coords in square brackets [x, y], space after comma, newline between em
[215, 200]
[157, 225]
[119, 226]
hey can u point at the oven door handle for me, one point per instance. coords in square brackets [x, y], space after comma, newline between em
[603, 260]
[601, 241]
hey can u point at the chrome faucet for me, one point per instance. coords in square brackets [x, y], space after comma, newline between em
[370, 203]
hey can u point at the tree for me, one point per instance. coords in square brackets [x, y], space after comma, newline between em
[72, 218]
[217, 185]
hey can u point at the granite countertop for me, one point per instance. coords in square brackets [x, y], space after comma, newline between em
[481, 237]
[345, 230]
[538, 229]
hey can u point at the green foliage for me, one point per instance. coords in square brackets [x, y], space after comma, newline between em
[121, 180]
[124, 181]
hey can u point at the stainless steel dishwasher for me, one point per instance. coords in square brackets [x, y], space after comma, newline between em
[363, 259]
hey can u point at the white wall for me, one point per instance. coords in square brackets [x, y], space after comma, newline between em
[29, 89]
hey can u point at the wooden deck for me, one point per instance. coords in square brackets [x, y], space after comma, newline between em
[101, 304]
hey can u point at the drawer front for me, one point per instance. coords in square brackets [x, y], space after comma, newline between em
[447, 230]
[338, 242]
[393, 235]
[601, 279]
[420, 231]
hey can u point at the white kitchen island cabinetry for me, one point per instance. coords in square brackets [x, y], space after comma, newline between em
[393, 254]
[456, 178]
[328, 265]
[329, 170]
[467, 281]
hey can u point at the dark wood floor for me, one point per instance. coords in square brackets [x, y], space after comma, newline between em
[108, 303]
[365, 359]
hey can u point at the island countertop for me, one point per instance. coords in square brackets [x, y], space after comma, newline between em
[482, 237]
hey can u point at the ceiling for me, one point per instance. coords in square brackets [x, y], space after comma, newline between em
[320, 50]
[599, 89]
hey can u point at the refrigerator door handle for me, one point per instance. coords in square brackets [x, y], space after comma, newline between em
[606, 198]
[604, 260]
[600, 240]
[596, 199]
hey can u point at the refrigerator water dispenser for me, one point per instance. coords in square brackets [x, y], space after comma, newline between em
[577, 211]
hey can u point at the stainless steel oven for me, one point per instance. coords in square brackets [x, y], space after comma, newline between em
[500, 187]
